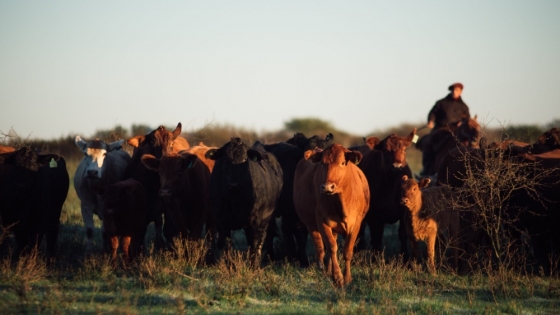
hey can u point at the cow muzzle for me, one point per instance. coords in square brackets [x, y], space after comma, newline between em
[328, 188]
[165, 193]
[93, 173]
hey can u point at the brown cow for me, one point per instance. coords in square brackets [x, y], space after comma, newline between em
[430, 214]
[331, 197]
[124, 216]
[184, 188]
[200, 151]
[167, 141]
[159, 142]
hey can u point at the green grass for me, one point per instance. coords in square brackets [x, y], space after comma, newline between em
[176, 283]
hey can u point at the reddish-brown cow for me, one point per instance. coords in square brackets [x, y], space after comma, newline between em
[331, 196]
[200, 151]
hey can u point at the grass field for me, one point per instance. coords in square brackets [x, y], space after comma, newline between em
[176, 283]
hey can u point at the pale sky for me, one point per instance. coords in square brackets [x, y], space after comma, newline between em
[74, 67]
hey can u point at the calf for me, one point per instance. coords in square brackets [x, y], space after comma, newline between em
[429, 215]
[184, 189]
[331, 197]
[124, 216]
[244, 189]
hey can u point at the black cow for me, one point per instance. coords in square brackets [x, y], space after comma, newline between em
[244, 189]
[288, 154]
[33, 189]
[384, 166]
[124, 217]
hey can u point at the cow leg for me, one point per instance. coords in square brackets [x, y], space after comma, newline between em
[362, 244]
[87, 216]
[402, 238]
[126, 248]
[301, 241]
[257, 244]
[348, 254]
[159, 242]
[114, 249]
[376, 229]
[431, 244]
[414, 247]
[319, 247]
[332, 247]
[269, 240]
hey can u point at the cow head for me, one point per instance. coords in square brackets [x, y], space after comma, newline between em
[172, 171]
[95, 152]
[234, 157]
[20, 167]
[394, 147]
[159, 142]
[548, 141]
[467, 132]
[411, 196]
[304, 143]
[334, 161]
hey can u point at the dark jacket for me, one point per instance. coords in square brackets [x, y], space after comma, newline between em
[448, 111]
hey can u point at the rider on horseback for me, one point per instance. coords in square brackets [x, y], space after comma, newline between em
[446, 112]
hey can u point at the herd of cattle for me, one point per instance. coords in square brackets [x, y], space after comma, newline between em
[318, 188]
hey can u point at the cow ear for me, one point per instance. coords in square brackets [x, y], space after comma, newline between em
[135, 141]
[98, 190]
[353, 156]
[46, 159]
[177, 131]
[255, 155]
[316, 156]
[371, 142]
[410, 137]
[115, 145]
[307, 154]
[188, 160]
[213, 154]
[424, 182]
[150, 161]
[81, 143]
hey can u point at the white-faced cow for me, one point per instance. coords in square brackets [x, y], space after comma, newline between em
[331, 196]
[244, 189]
[103, 164]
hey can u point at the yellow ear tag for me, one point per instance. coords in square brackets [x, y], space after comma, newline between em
[415, 139]
[52, 163]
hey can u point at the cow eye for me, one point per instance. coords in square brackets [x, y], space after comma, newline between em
[343, 163]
